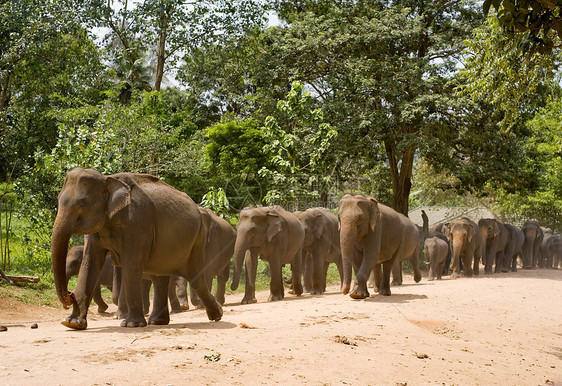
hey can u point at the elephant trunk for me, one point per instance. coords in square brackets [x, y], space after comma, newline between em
[348, 236]
[240, 249]
[59, 249]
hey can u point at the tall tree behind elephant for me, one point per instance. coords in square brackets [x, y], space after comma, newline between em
[276, 236]
[531, 246]
[436, 251]
[147, 225]
[219, 248]
[495, 238]
[321, 245]
[373, 234]
[466, 243]
[514, 248]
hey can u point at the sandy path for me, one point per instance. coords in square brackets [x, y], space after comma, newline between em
[505, 329]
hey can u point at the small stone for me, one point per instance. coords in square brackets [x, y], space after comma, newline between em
[34, 325]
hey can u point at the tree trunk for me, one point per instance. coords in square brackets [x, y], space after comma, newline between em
[401, 166]
[161, 52]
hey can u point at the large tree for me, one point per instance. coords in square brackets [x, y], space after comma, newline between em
[147, 38]
[382, 69]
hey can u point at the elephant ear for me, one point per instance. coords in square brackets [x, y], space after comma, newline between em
[273, 225]
[374, 213]
[470, 232]
[319, 225]
[496, 229]
[119, 196]
[207, 222]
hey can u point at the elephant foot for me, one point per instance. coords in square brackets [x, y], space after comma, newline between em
[417, 277]
[249, 300]
[102, 308]
[504, 270]
[274, 298]
[75, 323]
[397, 282]
[360, 293]
[513, 269]
[120, 314]
[316, 292]
[215, 315]
[430, 279]
[384, 291]
[130, 322]
[158, 321]
[184, 307]
[488, 273]
[455, 275]
[176, 310]
[371, 284]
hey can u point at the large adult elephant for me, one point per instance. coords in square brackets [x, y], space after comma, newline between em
[276, 236]
[372, 234]
[514, 248]
[147, 225]
[495, 238]
[466, 244]
[320, 248]
[531, 246]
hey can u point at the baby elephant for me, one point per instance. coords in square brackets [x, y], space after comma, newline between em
[435, 251]
[73, 262]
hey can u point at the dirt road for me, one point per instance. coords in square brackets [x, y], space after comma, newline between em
[505, 330]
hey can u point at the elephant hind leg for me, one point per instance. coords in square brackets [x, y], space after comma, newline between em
[160, 314]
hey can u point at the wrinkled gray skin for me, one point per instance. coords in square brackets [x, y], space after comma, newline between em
[531, 246]
[219, 248]
[436, 251]
[551, 250]
[372, 234]
[147, 225]
[514, 248]
[276, 236]
[466, 243]
[320, 248]
[495, 238]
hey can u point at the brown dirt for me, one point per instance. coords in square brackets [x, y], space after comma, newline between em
[505, 330]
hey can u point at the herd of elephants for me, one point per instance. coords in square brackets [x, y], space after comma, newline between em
[139, 231]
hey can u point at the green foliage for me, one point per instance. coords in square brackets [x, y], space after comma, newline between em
[299, 150]
[499, 73]
[543, 203]
[536, 24]
[217, 201]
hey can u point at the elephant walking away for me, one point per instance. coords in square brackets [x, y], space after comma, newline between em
[531, 246]
[372, 234]
[320, 248]
[147, 225]
[276, 236]
[495, 238]
[466, 243]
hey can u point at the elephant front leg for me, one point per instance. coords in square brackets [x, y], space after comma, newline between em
[318, 269]
[384, 288]
[251, 273]
[132, 286]
[277, 292]
[160, 314]
[87, 279]
[362, 270]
